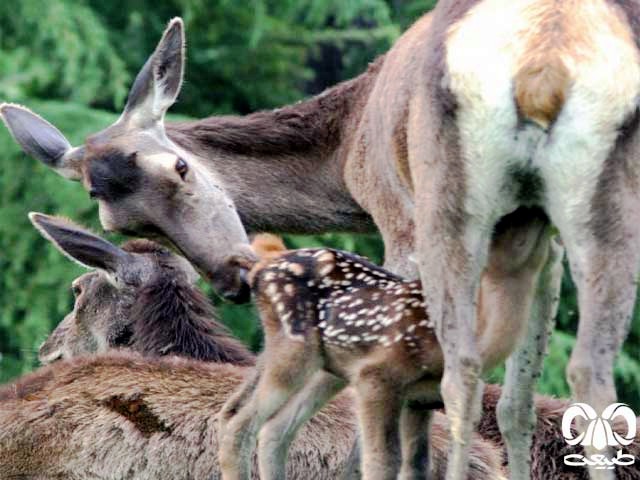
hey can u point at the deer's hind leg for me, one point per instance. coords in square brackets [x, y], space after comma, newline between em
[597, 210]
[607, 285]
[462, 154]
[452, 253]
[288, 364]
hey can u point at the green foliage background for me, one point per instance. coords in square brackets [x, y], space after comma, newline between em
[72, 62]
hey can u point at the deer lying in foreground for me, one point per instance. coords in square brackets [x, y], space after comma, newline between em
[353, 158]
[333, 319]
[121, 416]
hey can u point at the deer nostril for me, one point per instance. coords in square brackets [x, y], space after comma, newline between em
[243, 295]
[93, 193]
[244, 275]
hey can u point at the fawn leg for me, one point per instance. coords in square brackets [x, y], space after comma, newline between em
[379, 403]
[276, 435]
[284, 374]
[238, 398]
[415, 420]
[515, 410]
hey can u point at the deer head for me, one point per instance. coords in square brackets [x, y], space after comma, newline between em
[101, 318]
[145, 183]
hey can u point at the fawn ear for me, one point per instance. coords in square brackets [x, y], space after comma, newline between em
[266, 245]
[41, 140]
[158, 84]
[80, 245]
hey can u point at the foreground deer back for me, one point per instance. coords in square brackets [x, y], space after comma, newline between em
[122, 416]
[140, 296]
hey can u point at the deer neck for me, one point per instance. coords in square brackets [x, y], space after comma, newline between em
[284, 168]
[294, 195]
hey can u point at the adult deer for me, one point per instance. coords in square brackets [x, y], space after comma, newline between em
[531, 103]
[349, 159]
[123, 416]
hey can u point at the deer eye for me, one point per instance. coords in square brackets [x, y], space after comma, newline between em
[76, 289]
[182, 168]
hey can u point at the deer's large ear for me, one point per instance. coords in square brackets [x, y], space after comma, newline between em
[158, 84]
[41, 140]
[80, 245]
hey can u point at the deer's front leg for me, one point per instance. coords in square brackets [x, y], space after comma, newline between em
[515, 411]
[238, 398]
[287, 365]
[276, 435]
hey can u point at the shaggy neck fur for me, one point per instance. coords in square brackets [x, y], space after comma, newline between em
[171, 318]
[284, 167]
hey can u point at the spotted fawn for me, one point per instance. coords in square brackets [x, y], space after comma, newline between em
[333, 319]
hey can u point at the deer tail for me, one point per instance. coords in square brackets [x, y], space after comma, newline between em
[541, 88]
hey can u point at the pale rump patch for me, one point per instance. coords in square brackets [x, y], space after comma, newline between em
[488, 48]
[560, 36]
[542, 47]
